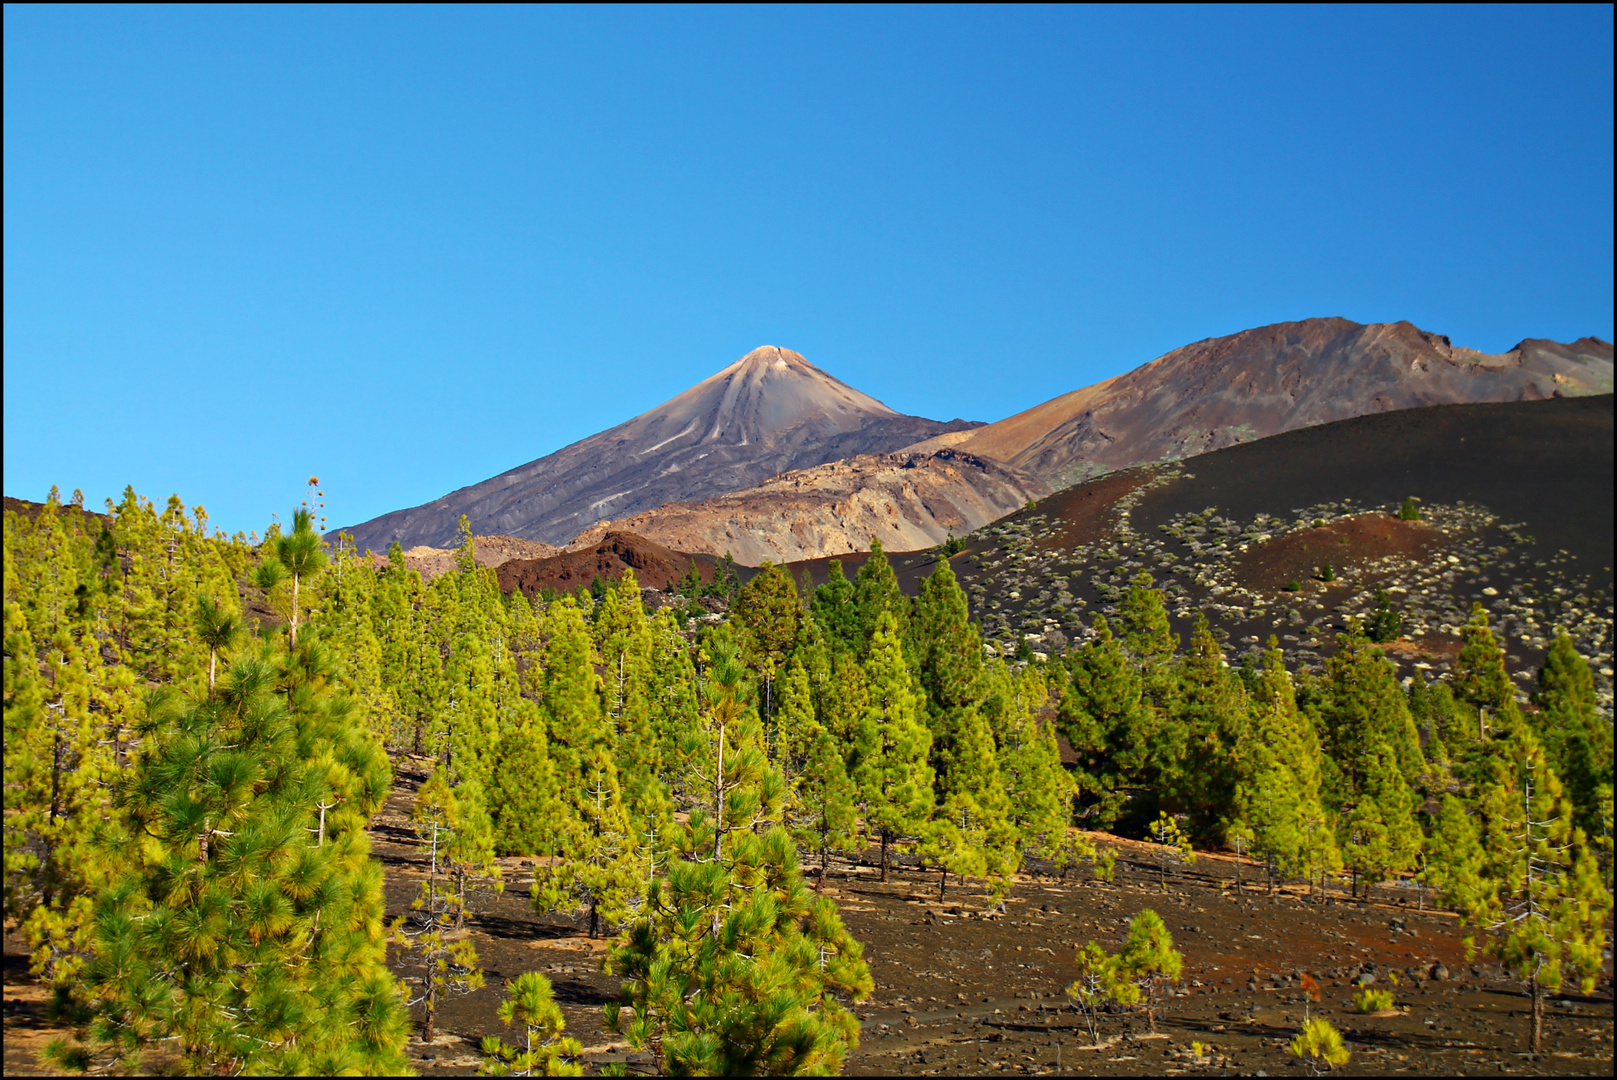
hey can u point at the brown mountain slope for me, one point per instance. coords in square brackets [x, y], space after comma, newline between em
[766, 413]
[909, 501]
[654, 565]
[1261, 382]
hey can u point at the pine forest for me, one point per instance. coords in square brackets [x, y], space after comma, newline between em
[200, 728]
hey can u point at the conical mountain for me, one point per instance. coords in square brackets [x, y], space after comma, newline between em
[1261, 382]
[769, 412]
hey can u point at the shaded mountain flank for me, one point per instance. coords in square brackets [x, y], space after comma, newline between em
[767, 413]
[909, 501]
[1261, 382]
[1516, 510]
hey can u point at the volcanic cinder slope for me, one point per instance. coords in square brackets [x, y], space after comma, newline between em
[1265, 381]
[1515, 502]
[769, 412]
[907, 500]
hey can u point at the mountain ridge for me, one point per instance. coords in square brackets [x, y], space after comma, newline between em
[1221, 391]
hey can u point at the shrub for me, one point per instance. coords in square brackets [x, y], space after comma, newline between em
[1367, 1000]
[1319, 1045]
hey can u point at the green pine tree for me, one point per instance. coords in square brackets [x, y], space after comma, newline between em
[1149, 959]
[1577, 739]
[895, 781]
[875, 591]
[546, 1050]
[234, 877]
[836, 611]
[1545, 907]
[768, 612]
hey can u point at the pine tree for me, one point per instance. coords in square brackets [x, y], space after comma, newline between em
[545, 1051]
[1107, 720]
[217, 626]
[733, 967]
[233, 877]
[1038, 790]
[301, 556]
[1361, 707]
[1278, 799]
[1173, 846]
[433, 945]
[949, 656]
[1480, 680]
[826, 818]
[1455, 865]
[529, 816]
[1212, 712]
[836, 610]
[1380, 835]
[1545, 906]
[1319, 1043]
[1149, 959]
[1144, 614]
[626, 642]
[875, 591]
[737, 969]
[768, 612]
[895, 781]
[1099, 984]
[1385, 624]
[1577, 740]
[972, 834]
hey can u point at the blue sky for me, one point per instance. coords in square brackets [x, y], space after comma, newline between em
[406, 249]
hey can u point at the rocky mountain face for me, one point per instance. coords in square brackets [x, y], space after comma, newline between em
[907, 500]
[1261, 382]
[767, 413]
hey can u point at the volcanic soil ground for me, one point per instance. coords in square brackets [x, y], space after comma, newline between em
[962, 992]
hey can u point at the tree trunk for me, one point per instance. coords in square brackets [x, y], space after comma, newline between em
[825, 867]
[56, 775]
[426, 1031]
[595, 917]
[718, 797]
[943, 882]
[294, 609]
[884, 855]
[1536, 1035]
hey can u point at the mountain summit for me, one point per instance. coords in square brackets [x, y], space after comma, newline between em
[769, 412]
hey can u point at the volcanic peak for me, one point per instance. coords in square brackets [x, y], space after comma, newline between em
[769, 412]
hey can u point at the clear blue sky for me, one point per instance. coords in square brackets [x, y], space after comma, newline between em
[406, 249]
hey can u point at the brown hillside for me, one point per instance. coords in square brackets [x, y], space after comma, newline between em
[654, 565]
[1261, 382]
